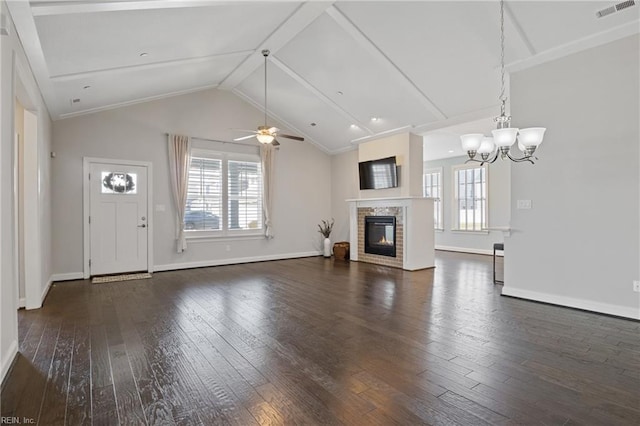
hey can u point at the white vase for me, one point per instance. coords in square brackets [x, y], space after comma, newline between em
[327, 247]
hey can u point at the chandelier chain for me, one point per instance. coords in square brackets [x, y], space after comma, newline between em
[502, 71]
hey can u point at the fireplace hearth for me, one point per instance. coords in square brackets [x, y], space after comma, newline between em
[380, 235]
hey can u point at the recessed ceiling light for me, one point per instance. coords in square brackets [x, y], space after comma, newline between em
[75, 100]
[354, 126]
[374, 119]
[450, 151]
[86, 87]
[339, 93]
[312, 124]
[143, 54]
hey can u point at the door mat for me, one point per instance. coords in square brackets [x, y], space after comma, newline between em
[115, 278]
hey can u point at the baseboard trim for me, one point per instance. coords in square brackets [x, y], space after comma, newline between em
[67, 277]
[234, 261]
[570, 302]
[45, 291]
[7, 360]
[43, 296]
[468, 250]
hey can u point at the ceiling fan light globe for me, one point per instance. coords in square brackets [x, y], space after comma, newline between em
[265, 138]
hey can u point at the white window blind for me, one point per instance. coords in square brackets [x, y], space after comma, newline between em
[204, 194]
[432, 186]
[244, 195]
[470, 208]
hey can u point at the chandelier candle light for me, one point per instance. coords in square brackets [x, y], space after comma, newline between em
[504, 136]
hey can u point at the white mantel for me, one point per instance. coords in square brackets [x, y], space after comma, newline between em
[416, 216]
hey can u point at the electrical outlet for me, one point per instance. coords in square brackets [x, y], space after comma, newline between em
[636, 286]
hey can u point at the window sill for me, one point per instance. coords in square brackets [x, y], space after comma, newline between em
[206, 238]
[464, 231]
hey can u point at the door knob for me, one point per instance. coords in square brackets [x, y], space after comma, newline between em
[142, 226]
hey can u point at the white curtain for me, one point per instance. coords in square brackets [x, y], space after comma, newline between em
[179, 162]
[267, 157]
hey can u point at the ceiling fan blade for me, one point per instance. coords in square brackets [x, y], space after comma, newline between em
[275, 143]
[244, 138]
[244, 130]
[296, 138]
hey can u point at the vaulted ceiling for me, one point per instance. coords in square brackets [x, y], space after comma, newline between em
[415, 66]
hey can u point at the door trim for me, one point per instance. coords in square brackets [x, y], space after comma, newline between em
[86, 207]
[18, 238]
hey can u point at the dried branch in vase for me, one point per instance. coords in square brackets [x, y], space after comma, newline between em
[326, 227]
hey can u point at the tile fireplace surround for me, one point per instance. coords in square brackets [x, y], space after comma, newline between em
[414, 231]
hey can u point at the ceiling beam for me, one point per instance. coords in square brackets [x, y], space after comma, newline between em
[298, 21]
[520, 34]
[591, 41]
[391, 67]
[390, 132]
[149, 66]
[28, 33]
[134, 102]
[43, 8]
[480, 114]
[304, 83]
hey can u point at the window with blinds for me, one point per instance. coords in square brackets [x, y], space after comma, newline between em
[432, 187]
[204, 195]
[224, 195]
[470, 204]
[244, 195]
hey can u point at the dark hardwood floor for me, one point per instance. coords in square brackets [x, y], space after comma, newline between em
[316, 341]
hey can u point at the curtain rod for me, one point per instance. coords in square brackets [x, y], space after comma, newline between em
[224, 142]
[215, 140]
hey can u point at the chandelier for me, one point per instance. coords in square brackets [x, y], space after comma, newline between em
[504, 136]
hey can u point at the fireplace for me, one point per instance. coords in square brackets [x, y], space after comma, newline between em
[380, 235]
[412, 232]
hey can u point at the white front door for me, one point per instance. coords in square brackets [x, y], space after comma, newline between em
[118, 218]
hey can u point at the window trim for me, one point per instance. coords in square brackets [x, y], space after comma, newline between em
[440, 191]
[202, 235]
[454, 198]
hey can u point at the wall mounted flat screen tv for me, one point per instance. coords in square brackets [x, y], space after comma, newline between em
[379, 174]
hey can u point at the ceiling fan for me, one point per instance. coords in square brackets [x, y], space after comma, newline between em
[267, 134]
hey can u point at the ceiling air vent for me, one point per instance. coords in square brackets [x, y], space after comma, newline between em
[625, 4]
[615, 8]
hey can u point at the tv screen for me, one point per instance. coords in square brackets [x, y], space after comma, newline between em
[378, 174]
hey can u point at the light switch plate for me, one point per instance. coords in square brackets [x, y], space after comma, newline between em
[160, 207]
[523, 204]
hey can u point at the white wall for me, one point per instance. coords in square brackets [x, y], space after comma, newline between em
[499, 178]
[15, 71]
[344, 186]
[579, 245]
[302, 187]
